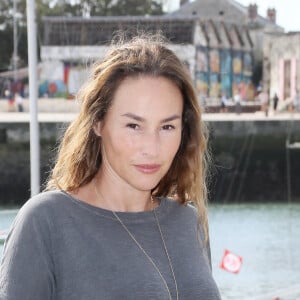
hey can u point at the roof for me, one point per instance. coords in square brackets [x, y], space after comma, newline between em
[65, 31]
[100, 30]
[227, 10]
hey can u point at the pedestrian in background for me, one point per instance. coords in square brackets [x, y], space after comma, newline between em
[264, 101]
[275, 102]
[116, 221]
[224, 102]
[19, 101]
[10, 100]
[237, 102]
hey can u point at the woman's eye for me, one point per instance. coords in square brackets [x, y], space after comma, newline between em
[168, 127]
[132, 126]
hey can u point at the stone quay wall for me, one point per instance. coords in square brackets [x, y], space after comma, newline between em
[249, 156]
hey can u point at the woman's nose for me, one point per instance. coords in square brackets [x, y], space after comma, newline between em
[150, 144]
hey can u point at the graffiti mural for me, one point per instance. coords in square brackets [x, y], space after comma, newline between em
[202, 71]
[61, 80]
[247, 64]
[51, 80]
[202, 84]
[214, 78]
[226, 72]
[201, 59]
[214, 59]
[52, 89]
[237, 63]
[223, 71]
[215, 86]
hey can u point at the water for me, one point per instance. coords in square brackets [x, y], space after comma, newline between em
[6, 218]
[267, 236]
[268, 239]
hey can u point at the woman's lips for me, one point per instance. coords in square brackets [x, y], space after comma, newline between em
[147, 168]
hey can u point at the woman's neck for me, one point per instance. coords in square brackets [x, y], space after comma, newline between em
[121, 199]
[108, 195]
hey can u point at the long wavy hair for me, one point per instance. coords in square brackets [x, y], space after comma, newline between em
[79, 156]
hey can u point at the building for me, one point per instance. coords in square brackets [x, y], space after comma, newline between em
[220, 42]
[282, 65]
[218, 54]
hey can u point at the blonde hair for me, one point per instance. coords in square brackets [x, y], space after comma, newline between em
[79, 156]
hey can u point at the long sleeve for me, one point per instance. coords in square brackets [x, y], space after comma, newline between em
[26, 270]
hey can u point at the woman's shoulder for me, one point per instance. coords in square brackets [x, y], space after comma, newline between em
[37, 215]
[173, 206]
[47, 198]
[42, 204]
[177, 205]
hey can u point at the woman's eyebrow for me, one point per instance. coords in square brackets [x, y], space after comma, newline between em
[171, 118]
[141, 119]
[133, 116]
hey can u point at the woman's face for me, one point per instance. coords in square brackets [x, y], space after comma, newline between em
[141, 132]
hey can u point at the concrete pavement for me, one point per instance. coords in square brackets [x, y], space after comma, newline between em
[63, 110]
[63, 117]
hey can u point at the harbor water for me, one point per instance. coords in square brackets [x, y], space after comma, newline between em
[266, 236]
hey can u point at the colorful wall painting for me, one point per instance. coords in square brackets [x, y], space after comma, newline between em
[214, 61]
[202, 71]
[223, 71]
[52, 89]
[202, 84]
[226, 72]
[214, 77]
[236, 85]
[226, 84]
[237, 62]
[247, 64]
[248, 89]
[201, 59]
[215, 86]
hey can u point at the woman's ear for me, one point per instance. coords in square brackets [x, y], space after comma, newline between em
[97, 128]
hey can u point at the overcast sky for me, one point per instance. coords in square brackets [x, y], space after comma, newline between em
[288, 11]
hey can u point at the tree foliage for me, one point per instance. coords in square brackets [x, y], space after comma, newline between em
[136, 8]
[5, 48]
[108, 7]
[79, 8]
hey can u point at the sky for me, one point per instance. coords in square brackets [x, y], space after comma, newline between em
[288, 11]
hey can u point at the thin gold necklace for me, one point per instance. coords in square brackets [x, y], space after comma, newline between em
[143, 250]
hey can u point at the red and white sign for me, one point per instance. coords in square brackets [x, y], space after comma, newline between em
[231, 262]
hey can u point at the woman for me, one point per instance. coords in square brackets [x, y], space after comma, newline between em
[115, 222]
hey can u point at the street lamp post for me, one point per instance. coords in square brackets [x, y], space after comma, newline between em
[34, 125]
[15, 41]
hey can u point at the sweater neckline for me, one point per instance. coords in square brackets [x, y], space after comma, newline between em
[142, 216]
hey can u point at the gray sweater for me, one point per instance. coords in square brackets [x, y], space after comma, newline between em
[61, 248]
